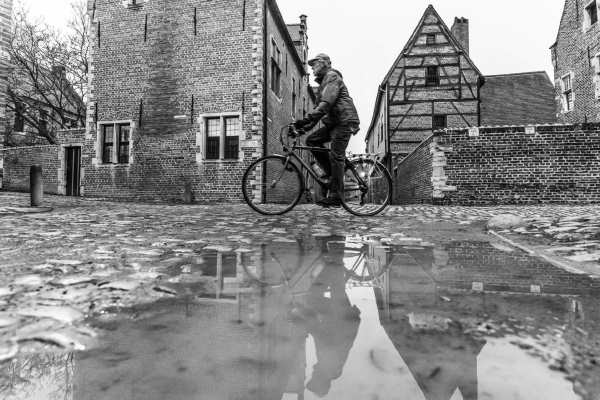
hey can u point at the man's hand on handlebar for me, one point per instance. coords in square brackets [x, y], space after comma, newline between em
[295, 131]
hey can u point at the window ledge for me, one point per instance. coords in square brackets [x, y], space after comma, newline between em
[227, 161]
[104, 165]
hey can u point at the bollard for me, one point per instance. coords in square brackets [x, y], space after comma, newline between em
[188, 193]
[36, 185]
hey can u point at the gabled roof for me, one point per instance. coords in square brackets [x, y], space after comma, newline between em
[562, 18]
[413, 38]
[518, 99]
[430, 10]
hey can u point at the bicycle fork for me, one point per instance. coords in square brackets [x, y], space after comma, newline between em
[285, 168]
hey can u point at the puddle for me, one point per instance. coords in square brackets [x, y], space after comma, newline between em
[333, 318]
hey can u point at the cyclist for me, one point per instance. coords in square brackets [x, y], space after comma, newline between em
[336, 110]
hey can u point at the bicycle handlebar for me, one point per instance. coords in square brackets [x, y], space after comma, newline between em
[292, 132]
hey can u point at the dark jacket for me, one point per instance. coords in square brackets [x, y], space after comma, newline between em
[334, 103]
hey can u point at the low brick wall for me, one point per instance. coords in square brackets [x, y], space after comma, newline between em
[16, 162]
[506, 165]
[412, 177]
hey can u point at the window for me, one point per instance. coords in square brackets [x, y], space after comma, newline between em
[222, 137]
[213, 138]
[591, 14]
[303, 107]
[430, 38]
[294, 97]
[432, 76]
[108, 140]
[596, 75]
[124, 133]
[43, 125]
[19, 125]
[233, 129]
[275, 68]
[567, 92]
[115, 142]
[439, 122]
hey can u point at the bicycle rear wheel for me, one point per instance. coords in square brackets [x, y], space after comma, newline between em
[370, 194]
[272, 185]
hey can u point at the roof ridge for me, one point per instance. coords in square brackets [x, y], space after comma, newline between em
[518, 73]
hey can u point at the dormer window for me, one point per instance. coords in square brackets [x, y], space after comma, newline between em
[591, 14]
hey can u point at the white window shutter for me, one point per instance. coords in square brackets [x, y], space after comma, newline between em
[596, 76]
[563, 102]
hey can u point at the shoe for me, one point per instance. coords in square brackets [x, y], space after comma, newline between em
[330, 202]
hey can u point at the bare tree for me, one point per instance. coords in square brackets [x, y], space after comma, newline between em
[48, 75]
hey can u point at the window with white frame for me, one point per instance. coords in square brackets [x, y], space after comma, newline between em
[115, 139]
[222, 137]
[591, 14]
[275, 68]
[596, 75]
[567, 92]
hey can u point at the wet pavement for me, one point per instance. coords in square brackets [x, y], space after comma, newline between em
[104, 300]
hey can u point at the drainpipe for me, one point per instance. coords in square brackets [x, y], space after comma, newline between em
[388, 146]
[265, 67]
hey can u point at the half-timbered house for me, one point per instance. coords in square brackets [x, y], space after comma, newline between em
[434, 84]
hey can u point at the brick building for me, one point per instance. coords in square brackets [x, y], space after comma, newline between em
[186, 94]
[576, 61]
[434, 84]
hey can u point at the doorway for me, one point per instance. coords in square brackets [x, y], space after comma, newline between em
[73, 170]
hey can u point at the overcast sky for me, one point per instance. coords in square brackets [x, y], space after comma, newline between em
[364, 38]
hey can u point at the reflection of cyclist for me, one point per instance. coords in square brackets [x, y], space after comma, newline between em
[331, 320]
[336, 108]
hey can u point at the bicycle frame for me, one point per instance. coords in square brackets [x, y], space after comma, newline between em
[290, 153]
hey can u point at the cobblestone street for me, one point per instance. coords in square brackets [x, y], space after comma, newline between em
[78, 274]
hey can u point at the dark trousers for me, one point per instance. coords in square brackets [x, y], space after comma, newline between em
[332, 162]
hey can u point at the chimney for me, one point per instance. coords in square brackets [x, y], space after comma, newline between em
[460, 31]
[303, 48]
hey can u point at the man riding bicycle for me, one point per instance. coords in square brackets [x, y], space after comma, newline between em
[340, 119]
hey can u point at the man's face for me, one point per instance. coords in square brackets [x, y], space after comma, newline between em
[317, 67]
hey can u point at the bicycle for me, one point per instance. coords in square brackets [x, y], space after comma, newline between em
[274, 184]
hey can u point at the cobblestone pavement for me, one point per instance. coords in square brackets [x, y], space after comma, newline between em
[76, 257]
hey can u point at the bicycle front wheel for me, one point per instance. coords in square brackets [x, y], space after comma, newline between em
[272, 185]
[367, 187]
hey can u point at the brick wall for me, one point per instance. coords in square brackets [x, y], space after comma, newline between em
[152, 63]
[506, 165]
[412, 177]
[194, 60]
[17, 162]
[574, 53]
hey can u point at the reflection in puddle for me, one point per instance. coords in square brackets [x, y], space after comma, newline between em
[333, 318]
